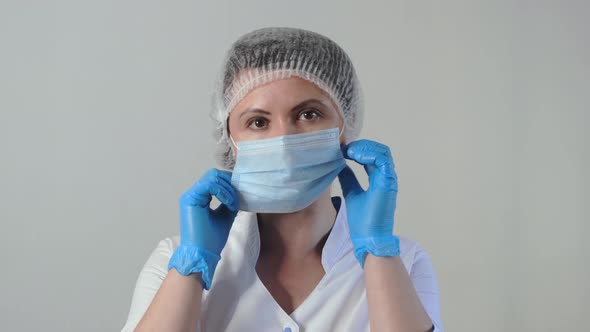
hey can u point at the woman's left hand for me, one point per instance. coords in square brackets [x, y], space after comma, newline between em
[371, 212]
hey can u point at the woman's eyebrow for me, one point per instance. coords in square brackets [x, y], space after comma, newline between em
[307, 102]
[254, 110]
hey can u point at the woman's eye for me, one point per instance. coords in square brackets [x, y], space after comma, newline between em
[257, 123]
[309, 115]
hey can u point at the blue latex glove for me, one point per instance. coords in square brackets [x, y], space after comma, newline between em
[203, 231]
[370, 213]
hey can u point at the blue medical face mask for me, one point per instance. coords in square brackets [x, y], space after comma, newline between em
[287, 173]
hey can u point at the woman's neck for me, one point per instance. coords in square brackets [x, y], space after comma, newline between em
[297, 236]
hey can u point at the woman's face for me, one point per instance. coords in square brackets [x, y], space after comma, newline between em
[283, 107]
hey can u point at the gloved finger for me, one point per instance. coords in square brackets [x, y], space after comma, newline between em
[223, 178]
[349, 182]
[365, 144]
[220, 176]
[230, 190]
[223, 195]
[201, 193]
[216, 173]
[211, 173]
[226, 175]
[372, 156]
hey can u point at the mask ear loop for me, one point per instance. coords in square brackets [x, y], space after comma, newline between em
[343, 126]
[342, 131]
[234, 143]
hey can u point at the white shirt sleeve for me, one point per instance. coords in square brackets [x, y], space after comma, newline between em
[426, 285]
[150, 278]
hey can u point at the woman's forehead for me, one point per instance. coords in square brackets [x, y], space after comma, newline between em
[283, 94]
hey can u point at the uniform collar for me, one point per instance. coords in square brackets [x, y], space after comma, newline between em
[336, 246]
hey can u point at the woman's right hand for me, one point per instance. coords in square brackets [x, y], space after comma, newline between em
[201, 226]
[204, 231]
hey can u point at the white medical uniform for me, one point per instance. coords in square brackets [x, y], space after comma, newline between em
[238, 301]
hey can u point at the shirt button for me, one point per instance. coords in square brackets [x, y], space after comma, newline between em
[287, 329]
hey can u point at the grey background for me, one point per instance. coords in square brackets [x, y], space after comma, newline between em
[104, 124]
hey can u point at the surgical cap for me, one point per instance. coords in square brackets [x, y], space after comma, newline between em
[268, 54]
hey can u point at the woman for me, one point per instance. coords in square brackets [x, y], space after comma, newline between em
[279, 253]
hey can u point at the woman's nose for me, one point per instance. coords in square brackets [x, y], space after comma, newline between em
[283, 128]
